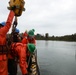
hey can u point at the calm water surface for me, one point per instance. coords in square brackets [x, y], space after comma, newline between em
[56, 57]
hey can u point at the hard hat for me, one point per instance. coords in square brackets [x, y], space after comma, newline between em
[31, 47]
[17, 30]
[2, 23]
[31, 33]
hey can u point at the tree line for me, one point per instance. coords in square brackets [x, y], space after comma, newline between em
[57, 38]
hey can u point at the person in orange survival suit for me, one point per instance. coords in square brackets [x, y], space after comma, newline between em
[4, 28]
[19, 51]
[17, 55]
[29, 39]
[13, 61]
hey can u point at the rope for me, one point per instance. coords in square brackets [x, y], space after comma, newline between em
[14, 25]
[10, 40]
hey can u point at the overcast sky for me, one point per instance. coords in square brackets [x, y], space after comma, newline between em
[56, 17]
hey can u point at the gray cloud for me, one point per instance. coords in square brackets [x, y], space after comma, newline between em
[56, 17]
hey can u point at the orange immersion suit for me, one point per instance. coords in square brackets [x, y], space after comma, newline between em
[25, 34]
[3, 32]
[27, 40]
[19, 50]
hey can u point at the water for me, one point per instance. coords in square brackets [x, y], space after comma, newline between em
[56, 57]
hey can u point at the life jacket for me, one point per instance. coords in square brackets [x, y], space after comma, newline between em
[19, 4]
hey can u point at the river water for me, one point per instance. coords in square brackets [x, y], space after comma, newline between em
[56, 57]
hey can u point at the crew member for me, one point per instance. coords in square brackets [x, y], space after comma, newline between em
[4, 28]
